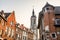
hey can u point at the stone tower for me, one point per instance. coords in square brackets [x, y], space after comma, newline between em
[33, 25]
[33, 20]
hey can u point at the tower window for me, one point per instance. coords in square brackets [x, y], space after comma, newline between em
[47, 8]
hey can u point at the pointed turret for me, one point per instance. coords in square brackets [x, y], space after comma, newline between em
[33, 12]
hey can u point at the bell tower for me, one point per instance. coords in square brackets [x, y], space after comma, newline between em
[33, 26]
[33, 20]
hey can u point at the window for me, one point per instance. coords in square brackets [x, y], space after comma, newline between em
[16, 29]
[12, 34]
[0, 33]
[9, 33]
[7, 30]
[20, 36]
[24, 37]
[57, 22]
[53, 35]
[3, 15]
[47, 8]
[2, 22]
[11, 22]
[58, 32]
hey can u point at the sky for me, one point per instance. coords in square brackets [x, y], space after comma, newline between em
[23, 8]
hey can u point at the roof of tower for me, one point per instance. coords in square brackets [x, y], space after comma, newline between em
[33, 13]
[47, 4]
[56, 10]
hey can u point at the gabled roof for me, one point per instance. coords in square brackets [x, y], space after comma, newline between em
[33, 14]
[7, 14]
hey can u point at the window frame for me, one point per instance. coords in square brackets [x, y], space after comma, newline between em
[56, 21]
[55, 35]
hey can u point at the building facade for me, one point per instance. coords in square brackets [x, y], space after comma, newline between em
[19, 32]
[7, 26]
[49, 22]
[23, 33]
[30, 35]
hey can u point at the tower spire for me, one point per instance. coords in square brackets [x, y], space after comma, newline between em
[33, 12]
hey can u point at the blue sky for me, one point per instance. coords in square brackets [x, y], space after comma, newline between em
[23, 8]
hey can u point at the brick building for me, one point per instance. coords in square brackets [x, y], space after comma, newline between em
[49, 22]
[7, 26]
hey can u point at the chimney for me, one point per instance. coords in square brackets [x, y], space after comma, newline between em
[1, 12]
[22, 25]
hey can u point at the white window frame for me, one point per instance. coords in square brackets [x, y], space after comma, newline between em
[56, 21]
[55, 35]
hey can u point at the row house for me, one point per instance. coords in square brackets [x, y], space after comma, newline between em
[7, 25]
[19, 32]
[49, 22]
[22, 33]
[30, 35]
